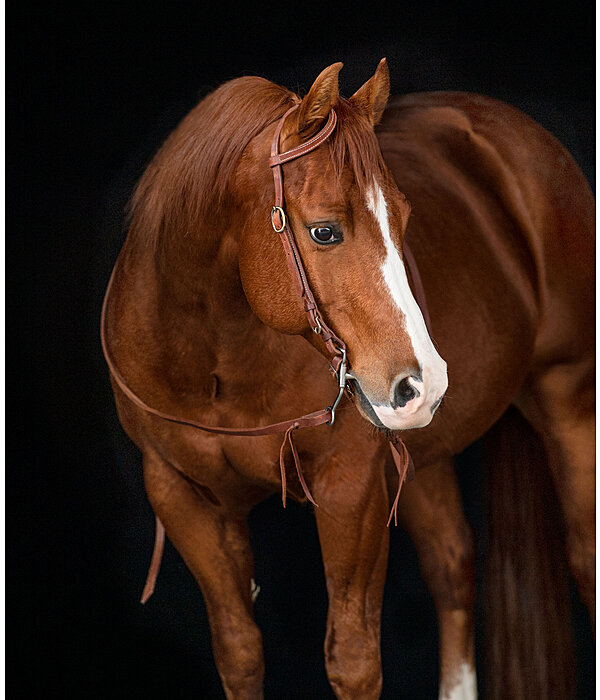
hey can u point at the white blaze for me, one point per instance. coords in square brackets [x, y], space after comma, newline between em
[433, 368]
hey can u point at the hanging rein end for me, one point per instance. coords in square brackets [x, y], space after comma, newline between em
[288, 438]
[159, 544]
[406, 472]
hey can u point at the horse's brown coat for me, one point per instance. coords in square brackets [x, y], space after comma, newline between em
[202, 311]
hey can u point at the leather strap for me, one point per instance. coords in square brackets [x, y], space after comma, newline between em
[159, 545]
[406, 471]
[334, 344]
[304, 148]
[308, 421]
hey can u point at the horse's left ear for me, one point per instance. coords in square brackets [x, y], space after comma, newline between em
[315, 107]
[372, 97]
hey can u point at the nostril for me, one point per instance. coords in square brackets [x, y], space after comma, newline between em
[404, 392]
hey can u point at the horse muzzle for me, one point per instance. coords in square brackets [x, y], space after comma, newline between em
[412, 404]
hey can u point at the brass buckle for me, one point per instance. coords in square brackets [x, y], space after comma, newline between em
[283, 219]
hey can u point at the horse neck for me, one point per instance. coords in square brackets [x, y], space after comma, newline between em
[198, 279]
[194, 313]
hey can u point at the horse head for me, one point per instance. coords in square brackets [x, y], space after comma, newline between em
[349, 220]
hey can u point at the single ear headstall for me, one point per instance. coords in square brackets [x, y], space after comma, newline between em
[280, 222]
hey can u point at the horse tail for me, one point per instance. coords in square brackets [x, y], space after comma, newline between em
[526, 605]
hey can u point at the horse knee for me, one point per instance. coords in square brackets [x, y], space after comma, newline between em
[357, 680]
[239, 657]
[353, 663]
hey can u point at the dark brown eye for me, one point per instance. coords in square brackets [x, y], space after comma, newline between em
[325, 235]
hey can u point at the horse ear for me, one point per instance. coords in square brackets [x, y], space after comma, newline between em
[372, 97]
[315, 107]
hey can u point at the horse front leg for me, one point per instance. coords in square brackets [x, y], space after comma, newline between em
[430, 509]
[215, 546]
[351, 521]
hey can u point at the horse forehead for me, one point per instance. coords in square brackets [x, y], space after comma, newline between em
[319, 181]
[321, 188]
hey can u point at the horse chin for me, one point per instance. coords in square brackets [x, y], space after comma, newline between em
[393, 420]
[367, 412]
[365, 407]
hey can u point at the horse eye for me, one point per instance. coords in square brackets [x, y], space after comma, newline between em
[324, 235]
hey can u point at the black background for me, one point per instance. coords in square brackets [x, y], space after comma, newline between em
[93, 89]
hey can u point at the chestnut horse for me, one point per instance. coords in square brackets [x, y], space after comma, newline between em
[202, 322]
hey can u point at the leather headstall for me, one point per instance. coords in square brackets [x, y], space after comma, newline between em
[281, 225]
[333, 343]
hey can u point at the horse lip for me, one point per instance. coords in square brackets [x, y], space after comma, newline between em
[365, 404]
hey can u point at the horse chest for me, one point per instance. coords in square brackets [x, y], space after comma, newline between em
[234, 469]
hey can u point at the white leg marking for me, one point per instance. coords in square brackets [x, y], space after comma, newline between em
[464, 686]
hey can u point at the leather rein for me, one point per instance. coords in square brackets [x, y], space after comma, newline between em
[335, 346]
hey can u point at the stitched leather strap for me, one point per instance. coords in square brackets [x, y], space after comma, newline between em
[333, 343]
[304, 148]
